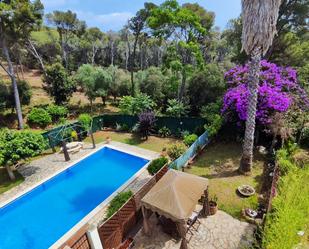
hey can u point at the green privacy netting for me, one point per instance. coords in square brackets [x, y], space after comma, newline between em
[176, 125]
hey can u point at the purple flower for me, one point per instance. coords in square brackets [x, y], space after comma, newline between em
[278, 89]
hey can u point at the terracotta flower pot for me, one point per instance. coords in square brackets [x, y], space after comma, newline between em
[213, 207]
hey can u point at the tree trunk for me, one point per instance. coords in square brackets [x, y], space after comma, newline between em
[35, 53]
[253, 84]
[93, 54]
[132, 66]
[21, 68]
[91, 105]
[10, 173]
[183, 85]
[14, 83]
[104, 100]
[112, 53]
[63, 48]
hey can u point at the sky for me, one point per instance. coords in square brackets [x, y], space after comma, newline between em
[113, 14]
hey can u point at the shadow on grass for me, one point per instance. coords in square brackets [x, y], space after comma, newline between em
[134, 140]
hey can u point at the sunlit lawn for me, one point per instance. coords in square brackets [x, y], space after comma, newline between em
[153, 143]
[6, 183]
[219, 163]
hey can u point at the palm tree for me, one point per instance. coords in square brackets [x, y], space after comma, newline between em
[259, 28]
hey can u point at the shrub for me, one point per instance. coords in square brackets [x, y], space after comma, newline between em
[176, 109]
[164, 132]
[146, 121]
[40, 117]
[15, 146]
[85, 121]
[122, 127]
[119, 200]
[199, 130]
[190, 139]
[176, 150]
[210, 111]
[184, 133]
[305, 137]
[156, 165]
[214, 126]
[301, 158]
[57, 112]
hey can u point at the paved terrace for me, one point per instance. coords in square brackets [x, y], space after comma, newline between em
[38, 170]
[220, 231]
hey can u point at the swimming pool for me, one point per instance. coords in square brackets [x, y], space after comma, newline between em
[40, 217]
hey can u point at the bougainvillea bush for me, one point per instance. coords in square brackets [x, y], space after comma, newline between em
[278, 90]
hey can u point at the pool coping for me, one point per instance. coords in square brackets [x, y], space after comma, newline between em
[103, 204]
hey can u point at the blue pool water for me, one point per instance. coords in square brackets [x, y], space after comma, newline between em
[39, 218]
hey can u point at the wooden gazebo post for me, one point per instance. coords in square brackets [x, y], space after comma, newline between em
[145, 221]
[205, 211]
[65, 151]
[182, 229]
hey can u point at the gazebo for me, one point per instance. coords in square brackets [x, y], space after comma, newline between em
[175, 197]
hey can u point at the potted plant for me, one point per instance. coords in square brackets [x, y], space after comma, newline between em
[108, 139]
[213, 205]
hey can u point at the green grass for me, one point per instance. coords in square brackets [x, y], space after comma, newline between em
[219, 163]
[290, 212]
[153, 143]
[6, 183]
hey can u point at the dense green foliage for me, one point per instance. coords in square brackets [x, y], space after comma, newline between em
[57, 112]
[136, 105]
[156, 165]
[151, 83]
[164, 132]
[176, 109]
[59, 85]
[205, 87]
[119, 200]
[190, 139]
[85, 120]
[176, 150]
[7, 94]
[39, 116]
[214, 126]
[95, 81]
[290, 213]
[16, 145]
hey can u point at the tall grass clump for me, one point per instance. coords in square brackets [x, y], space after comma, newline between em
[290, 208]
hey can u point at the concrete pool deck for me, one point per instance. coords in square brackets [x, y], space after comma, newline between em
[42, 169]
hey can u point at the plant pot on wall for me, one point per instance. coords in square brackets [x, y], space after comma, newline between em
[213, 207]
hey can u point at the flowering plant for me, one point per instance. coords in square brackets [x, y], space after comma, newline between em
[278, 89]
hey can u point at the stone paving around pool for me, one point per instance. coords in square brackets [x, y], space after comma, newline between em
[220, 231]
[43, 168]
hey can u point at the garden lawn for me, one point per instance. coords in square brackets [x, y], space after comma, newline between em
[6, 183]
[153, 143]
[219, 163]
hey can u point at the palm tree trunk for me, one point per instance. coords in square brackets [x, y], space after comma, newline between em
[14, 83]
[254, 72]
